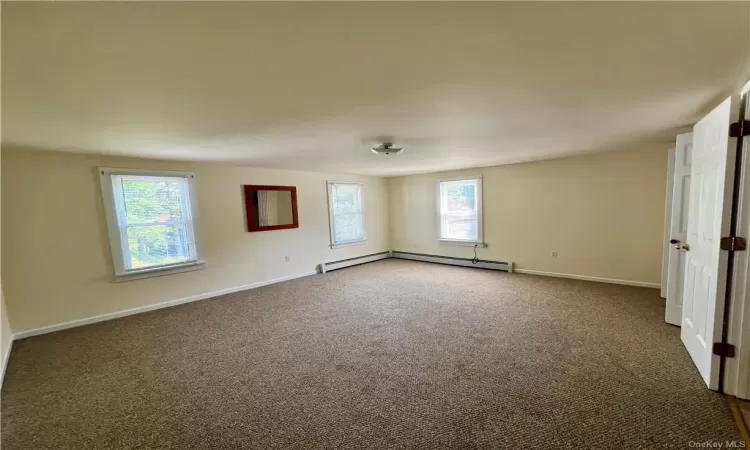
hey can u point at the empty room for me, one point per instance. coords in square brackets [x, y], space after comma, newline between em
[374, 225]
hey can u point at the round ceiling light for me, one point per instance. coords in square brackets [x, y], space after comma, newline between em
[387, 148]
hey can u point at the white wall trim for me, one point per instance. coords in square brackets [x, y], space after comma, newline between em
[667, 222]
[5, 361]
[194, 298]
[736, 373]
[160, 271]
[362, 241]
[462, 243]
[588, 278]
[142, 309]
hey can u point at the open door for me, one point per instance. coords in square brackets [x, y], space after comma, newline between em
[709, 219]
[678, 228]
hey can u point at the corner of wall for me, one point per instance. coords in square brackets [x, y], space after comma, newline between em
[6, 333]
[6, 343]
[393, 185]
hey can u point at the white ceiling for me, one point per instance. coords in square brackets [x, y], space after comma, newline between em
[307, 85]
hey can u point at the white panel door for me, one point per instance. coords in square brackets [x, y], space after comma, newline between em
[712, 184]
[678, 227]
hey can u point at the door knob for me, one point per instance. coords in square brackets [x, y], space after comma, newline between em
[682, 247]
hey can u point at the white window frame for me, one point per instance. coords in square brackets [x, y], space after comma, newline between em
[117, 239]
[331, 224]
[479, 241]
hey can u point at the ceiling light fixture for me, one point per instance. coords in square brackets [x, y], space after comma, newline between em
[386, 148]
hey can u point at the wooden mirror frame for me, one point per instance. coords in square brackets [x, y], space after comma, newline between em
[251, 190]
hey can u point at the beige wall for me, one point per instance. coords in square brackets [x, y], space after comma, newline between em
[58, 268]
[603, 213]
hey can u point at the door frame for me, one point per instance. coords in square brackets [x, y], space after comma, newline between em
[736, 374]
[683, 161]
[667, 223]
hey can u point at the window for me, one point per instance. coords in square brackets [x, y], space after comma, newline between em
[150, 221]
[345, 210]
[460, 211]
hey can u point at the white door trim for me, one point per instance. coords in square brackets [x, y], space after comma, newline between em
[678, 227]
[667, 223]
[712, 178]
[737, 369]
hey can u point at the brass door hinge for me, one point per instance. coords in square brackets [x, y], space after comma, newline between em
[739, 129]
[733, 244]
[723, 349]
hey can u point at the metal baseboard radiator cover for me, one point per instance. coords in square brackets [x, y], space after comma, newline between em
[453, 261]
[333, 265]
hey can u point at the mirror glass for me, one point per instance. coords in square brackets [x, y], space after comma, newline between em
[272, 208]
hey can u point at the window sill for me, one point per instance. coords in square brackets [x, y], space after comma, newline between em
[160, 271]
[479, 244]
[349, 244]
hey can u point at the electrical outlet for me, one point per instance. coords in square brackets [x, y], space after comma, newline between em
[287, 259]
[553, 254]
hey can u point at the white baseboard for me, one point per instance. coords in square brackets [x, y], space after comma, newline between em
[329, 266]
[454, 261]
[587, 278]
[142, 309]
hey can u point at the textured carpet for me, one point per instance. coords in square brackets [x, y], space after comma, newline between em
[393, 354]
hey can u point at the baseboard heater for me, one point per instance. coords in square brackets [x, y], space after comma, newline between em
[333, 265]
[465, 262]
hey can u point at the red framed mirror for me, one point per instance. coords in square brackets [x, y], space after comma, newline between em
[270, 208]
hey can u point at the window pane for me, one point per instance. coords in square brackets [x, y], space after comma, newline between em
[348, 227]
[157, 245]
[459, 196]
[460, 228]
[153, 199]
[345, 198]
[346, 213]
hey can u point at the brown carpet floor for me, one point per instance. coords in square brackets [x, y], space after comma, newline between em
[393, 354]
